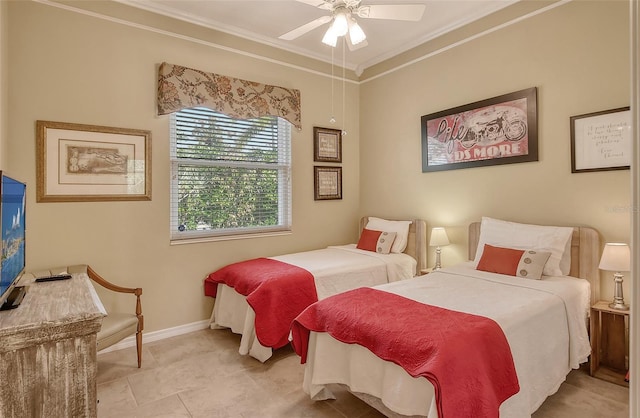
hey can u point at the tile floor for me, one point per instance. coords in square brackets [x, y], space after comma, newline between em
[201, 374]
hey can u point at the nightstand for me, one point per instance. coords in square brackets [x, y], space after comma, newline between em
[426, 271]
[608, 343]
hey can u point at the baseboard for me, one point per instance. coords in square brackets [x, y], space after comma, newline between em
[149, 337]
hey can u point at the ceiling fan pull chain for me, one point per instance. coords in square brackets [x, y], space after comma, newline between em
[332, 119]
[344, 107]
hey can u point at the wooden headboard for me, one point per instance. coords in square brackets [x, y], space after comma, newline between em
[585, 255]
[416, 242]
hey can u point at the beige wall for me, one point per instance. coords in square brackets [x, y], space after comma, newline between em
[4, 84]
[71, 67]
[577, 55]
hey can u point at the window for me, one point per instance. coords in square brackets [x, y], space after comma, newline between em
[229, 177]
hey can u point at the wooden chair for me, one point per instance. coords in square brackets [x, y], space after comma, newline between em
[116, 325]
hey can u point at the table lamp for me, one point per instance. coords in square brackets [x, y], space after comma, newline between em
[616, 257]
[438, 239]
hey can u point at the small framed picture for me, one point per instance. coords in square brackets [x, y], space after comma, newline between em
[327, 183]
[327, 145]
[601, 141]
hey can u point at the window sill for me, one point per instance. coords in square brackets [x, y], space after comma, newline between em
[203, 239]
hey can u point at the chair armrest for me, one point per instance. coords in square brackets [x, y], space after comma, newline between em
[105, 283]
[136, 291]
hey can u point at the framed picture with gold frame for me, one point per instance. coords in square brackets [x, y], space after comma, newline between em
[327, 183]
[327, 145]
[89, 163]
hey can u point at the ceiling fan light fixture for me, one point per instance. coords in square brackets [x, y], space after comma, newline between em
[340, 24]
[356, 34]
[330, 37]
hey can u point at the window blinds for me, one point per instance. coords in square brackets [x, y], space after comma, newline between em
[229, 176]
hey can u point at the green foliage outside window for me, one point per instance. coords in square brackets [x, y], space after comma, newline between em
[231, 174]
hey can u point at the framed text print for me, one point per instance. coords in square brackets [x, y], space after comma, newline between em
[601, 141]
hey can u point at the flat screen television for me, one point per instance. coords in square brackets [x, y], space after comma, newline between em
[12, 216]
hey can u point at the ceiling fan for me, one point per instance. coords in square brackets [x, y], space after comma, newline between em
[343, 19]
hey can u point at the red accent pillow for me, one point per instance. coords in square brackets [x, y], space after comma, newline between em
[528, 264]
[376, 241]
[500, 260]
[368, 240]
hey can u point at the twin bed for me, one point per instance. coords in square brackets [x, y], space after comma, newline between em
[262, 311]
[491, 337]
[543, 321]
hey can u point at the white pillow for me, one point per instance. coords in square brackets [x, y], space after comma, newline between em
[553, 239]
[565, 263]
[401, 228]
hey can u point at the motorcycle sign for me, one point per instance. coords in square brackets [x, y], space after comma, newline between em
[501, 130]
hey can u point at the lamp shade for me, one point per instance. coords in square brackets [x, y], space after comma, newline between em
[340, 24]
[438, 237]
[356, 34]
[615, 257]
[330, 38]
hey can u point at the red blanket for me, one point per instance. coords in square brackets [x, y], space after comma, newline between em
[466, 357]
[276, 291]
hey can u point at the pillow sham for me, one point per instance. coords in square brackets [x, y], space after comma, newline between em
[527, 264]
[401, 228]
[376, 241]
[552, 239]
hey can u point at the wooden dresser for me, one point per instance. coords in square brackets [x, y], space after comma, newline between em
[48, 350]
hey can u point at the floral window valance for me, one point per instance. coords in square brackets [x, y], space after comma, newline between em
[182, 87]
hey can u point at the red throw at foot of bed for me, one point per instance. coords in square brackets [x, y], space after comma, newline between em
[276, 291]
[466, 357]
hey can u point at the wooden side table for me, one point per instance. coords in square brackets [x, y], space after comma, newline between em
[608, 343]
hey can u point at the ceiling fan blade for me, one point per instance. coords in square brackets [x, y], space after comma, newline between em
[321, 4]
[410, 12]
[299, 31]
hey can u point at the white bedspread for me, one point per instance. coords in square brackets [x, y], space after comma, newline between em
[335, 269]
[543, 320]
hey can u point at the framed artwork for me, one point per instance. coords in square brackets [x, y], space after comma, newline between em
[327, 145]
[500, 130]
[601, 141]
[87, 163]
[327, 182]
